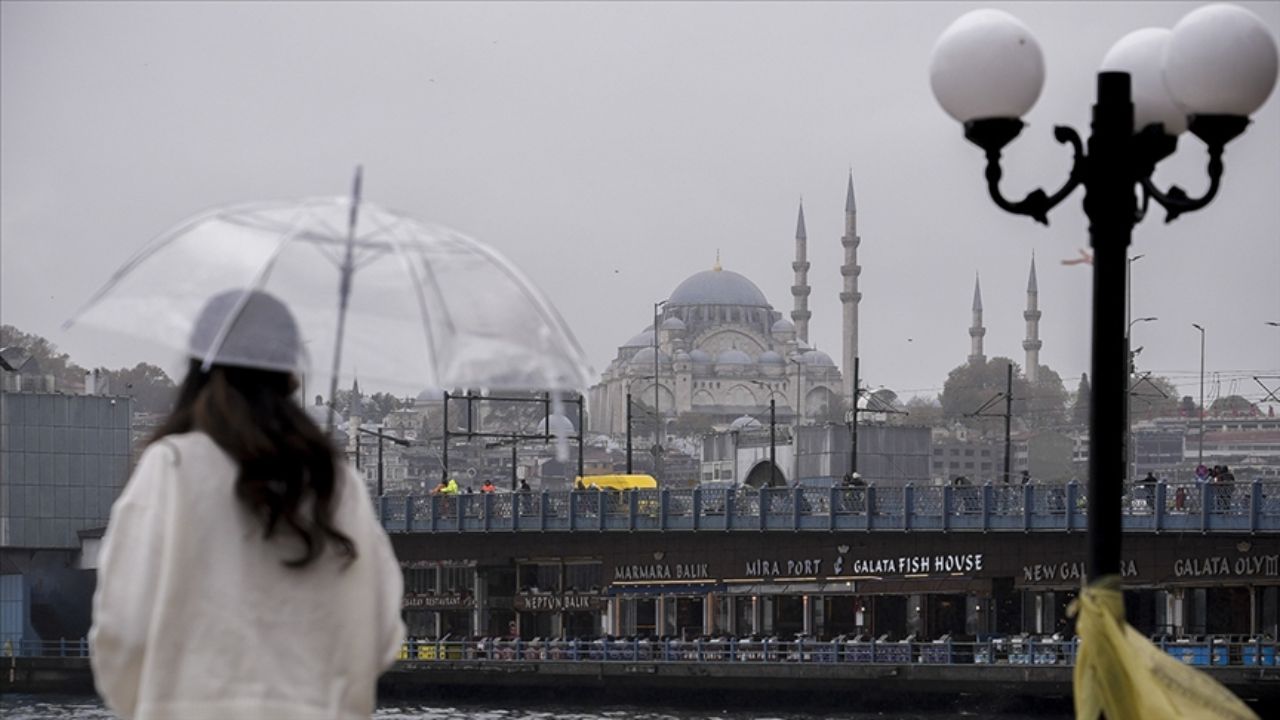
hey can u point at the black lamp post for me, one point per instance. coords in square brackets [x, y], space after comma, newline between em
[1200, 454]
[658, 434]
[1215, 68]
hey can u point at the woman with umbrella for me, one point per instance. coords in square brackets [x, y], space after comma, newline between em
[243, 573]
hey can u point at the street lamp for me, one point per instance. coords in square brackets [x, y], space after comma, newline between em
[381, 436]
[1200, 454]
[628, 386]
[1129, 354]
[658, 434]
[1215, 68]
[795, 460]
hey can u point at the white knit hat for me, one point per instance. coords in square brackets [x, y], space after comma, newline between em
[260, 332]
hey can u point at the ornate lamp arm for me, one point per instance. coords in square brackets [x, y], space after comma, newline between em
[992, 135]
[1216, 131]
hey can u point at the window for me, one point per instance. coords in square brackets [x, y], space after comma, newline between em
[968, 452]
[455, 579]
[582, 577]
[420, 580]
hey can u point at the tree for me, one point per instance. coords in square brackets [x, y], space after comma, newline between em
[1151, 397]
[381, 404]
[1188, 407]
[972, 385]
[1233, 406]
[67, 375]
[924, 411]
[1080, 409]
[151, 388]
[1047, 403]
[693, 424]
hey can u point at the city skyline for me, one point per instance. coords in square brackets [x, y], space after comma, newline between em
[610, 165]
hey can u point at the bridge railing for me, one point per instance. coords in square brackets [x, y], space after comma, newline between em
[999, 651]
[1245, 507]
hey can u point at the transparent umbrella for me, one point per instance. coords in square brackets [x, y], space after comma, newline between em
[406, 303]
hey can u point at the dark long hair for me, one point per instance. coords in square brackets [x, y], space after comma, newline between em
[284, 458]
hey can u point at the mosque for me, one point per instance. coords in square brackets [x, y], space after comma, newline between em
[723, 351]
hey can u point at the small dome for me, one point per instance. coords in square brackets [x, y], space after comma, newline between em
[431, 394]
[699, 356]
[769, 357]
[817, 358]
[644, 356]
[682, 357]
[672, 323]
[560, 425]
[319, 415]
[641, 339]
[745, 422]
[717, 287]
[784, 325]
[733, 357]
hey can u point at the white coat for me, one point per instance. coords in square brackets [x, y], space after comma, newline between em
[196, 618]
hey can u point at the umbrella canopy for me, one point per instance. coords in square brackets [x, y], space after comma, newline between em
[425, 305]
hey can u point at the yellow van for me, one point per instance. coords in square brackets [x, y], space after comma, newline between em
[619, 482]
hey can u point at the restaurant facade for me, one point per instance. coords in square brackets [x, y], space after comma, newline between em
[892, 585]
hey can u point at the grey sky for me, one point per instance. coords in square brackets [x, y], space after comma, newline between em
[610, 150]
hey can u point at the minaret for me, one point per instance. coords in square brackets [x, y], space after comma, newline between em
[800, 291]
[850, 297]
[976, 332]
[1032, 316]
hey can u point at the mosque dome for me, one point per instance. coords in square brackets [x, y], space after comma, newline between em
[769, 357]
[429, 395]
[817, 358]
[700, 356]
[644, 357]
[644, 338]
[682, 357]
[746, 422]
[783, 325]
[560, 425]
[319, 415]
[733, 357]
[717, 287]
[672, 323]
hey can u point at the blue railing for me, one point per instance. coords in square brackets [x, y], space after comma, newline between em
[75, 648]
[1003, 651]
[1165, 507]
[997, 651]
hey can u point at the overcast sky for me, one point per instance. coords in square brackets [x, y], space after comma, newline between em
[610, 150]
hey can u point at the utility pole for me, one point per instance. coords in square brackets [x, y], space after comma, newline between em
[381, 436]
[628, 432]
[1200, 455]
[853, 429]
[773, 443]
[1007, 395]
[1008, 417]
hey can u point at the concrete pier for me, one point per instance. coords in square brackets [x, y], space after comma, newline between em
[659, 682]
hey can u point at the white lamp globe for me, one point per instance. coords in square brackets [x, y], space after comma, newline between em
[1221, 60]
[1141, 54]
[986, 64]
